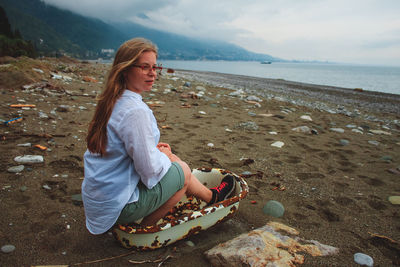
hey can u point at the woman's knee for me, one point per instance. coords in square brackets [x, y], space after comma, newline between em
[186, 171]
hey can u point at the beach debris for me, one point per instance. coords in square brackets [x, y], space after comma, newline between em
[395, 200]
[302, 129]
[228, 130]
[253, 202]
[278, 144]
[16, 169]
[273, 133]
[337, 130]
[306, 118]
[22, 106]
[187, 84]
[363, 259]
[43, 115]
[274, 208]
[13, 121]
[29, 159]
[38, 70]
[277, 186]
[274, 244]
[89, 79]
[202, 112]
[210, 145]
[159, 261]
[267, 115]
[23, 188]
[7, 248]
[43, 148]
[247, 174]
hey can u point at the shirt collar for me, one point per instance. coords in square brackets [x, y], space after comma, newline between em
[129, 93]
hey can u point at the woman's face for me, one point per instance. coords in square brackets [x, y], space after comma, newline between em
[138, 79]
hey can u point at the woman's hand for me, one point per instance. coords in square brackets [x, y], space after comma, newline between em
[164, 145]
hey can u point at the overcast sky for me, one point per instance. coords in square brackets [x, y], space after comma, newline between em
[349, 31]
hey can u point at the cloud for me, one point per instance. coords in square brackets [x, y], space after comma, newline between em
[336, 30]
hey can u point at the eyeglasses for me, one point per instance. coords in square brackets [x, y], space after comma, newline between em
[146, 68]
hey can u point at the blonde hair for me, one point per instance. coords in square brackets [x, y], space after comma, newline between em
[126, 56]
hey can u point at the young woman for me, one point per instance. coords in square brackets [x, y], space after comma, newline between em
[129, 175]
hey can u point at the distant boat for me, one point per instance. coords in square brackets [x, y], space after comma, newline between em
[266, 62]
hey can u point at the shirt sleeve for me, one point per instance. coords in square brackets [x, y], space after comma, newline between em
[135, 130]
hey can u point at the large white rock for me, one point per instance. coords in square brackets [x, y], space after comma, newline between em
[29, 159]
[267, 246]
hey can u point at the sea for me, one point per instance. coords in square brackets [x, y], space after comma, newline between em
[384, 79]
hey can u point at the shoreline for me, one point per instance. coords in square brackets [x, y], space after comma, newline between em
[376, 102]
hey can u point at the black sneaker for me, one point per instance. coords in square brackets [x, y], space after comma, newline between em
[224, 190]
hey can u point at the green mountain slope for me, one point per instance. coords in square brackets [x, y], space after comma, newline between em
[53, 30]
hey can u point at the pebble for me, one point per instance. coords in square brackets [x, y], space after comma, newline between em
[338, 130]
[190, 243]
[274, 208]
[344, 142]
[302, 129]
[306, 118]
[372, 142]
[357, 131]
[16, 169]
[25, 145]
[278, 144]
[7, 248]
[29, 159]
[395, 200]
[363, 259]
[380, 132]
[46, 187]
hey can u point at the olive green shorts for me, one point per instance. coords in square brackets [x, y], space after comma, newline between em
[151, 199]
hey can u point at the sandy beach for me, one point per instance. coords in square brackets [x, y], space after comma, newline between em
[336, 177]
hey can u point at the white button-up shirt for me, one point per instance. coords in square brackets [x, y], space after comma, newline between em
[131, 156]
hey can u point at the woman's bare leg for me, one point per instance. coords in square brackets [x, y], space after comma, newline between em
[192, 187]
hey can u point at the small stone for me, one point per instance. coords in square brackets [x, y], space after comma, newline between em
[23, 188]
[357, 131]
[16, 169]
[337, 130]
[25, 145]
[380, 132]
[278, 144]
[190, 243]
[7, 248]
[274, 208]
[306, 118]
[344, 142]
[187, 84]
[395, 200]
[363, 259]
[46, 187]
[373, 142]
[302, 129]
